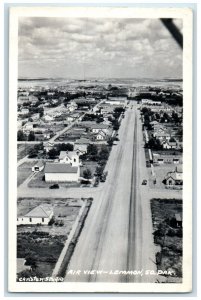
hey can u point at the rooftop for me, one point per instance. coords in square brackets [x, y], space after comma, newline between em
[41, 211]
[60, 168]
[39, 164]
[82, 141]
[70, 154]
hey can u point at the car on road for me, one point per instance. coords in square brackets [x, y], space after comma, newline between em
[144, 182]
[54, 186]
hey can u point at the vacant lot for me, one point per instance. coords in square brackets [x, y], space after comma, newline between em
[168, 236]
[23, 171]
[23, 150]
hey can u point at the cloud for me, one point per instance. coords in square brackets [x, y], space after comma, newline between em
[66, 45]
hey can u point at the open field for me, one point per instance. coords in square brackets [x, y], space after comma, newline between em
[168, 236]
[24, 171]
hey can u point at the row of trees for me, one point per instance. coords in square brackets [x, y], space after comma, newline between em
[94, 154]
[21, 136]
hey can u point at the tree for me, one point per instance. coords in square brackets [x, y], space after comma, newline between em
[33, 152]
[154, 143]
[21, 136]
[53, 153]
[99, 171]
[92, 149]
[64, 147]
[87, 174]
[104, 153]
[31, 136]
[110, 141]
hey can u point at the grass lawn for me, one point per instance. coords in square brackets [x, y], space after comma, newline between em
[167, 235]
[91, 165]
[24, 171]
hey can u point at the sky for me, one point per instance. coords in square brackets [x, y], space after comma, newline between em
[82, 48]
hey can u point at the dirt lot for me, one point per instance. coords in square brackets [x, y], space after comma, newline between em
[39, 182]
[168, 237]
[23, 171]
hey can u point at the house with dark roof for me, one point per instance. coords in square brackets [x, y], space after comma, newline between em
[41, 214]
[61, 172]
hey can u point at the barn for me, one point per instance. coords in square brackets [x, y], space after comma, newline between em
[61, 172]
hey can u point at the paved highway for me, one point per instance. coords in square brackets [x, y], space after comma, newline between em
[111, 239]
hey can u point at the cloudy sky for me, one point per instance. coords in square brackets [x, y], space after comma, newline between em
[89, 47]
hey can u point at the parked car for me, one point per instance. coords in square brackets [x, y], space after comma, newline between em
[54, 186]
[144, 182]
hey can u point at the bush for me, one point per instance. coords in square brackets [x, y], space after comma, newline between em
[52, 221]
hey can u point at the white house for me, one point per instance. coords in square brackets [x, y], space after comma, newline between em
[21, 265]
[48, 118]
[35, 117]
[28, 127]
[69, 157]
[41, 214]
[81, 145]
[61, 172]
[48, 146]
[50, 93]
[24, 111]
[101, 136]
[72, 106]
[150, 102]
[175, 177]
[38, 167]
[95, 128]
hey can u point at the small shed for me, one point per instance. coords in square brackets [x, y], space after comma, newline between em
[178, 218]
[38, 167]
